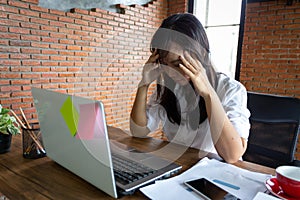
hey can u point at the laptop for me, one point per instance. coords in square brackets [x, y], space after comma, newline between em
[74, 134]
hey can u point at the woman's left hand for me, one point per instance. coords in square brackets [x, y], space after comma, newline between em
[195, 70]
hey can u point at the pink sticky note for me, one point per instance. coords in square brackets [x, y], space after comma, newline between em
[91, 122]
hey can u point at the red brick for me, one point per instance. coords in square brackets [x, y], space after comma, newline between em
[57, 12]
[10, 62]
[20, 82]
[57, 24]
[78, 10]
[58, 46]
[14, 103]
[30, 37]
[49, 51]
[18, 4]
[18, 17]
[88, 29]
[57, 35]
[39, 45]
[49, 63]
[38, 8]
[73, 15]
[4, 95]
[66, 19]
[73, 47]
[81, 33]
[10, 9]
[65, 30]
[19, 43]
[69, 53]
[9, 88]
[6, 35]
[88, 18]
[49, 28]
[66, 63]
[32, 1]
[4, 56]
[29, 13]
[66, 75]
[40, 81]
[39, 21]
[76, 59]
[58, 57]
[19, 56]
[31, 63]
[48, 16]
[30, 51]
[31, 75]
[40, 57]
[66, 41]
[19, 30]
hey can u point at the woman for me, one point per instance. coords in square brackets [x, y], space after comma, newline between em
[195, 105]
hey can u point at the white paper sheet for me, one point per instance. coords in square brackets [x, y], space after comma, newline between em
[249, 183]
[263, 196]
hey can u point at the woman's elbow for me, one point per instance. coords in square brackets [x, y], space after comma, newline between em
[138, 131]
[231, 159]
[234, 156]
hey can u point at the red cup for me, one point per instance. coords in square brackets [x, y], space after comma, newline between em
[288, 178]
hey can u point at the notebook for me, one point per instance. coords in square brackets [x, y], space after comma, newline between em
[74, 133]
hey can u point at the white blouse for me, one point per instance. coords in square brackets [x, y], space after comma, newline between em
[233, 96]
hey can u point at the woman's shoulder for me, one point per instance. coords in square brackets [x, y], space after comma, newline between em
[227, 86]
[224, 80]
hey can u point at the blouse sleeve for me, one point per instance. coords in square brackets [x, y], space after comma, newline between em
[234, 100]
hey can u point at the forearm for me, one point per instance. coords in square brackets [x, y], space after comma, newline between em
[228, 143]
[138, 121]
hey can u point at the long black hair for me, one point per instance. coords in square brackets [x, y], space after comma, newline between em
[187, 31]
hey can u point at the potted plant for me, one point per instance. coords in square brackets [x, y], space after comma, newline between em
[8, 127]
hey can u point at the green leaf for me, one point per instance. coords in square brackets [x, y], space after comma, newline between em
[8, 124]
[4, 119]
[13, 130]
[13, 119]
[4, 111]
[3, 130]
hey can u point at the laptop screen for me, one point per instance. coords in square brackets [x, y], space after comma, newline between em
[75, 136]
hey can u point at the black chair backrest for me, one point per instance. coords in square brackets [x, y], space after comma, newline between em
[274, 129]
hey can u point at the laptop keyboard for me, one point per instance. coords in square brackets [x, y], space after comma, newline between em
[127, 171]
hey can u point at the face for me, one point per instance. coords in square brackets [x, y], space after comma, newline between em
[170, 64]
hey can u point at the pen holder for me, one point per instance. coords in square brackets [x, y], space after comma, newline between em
[32, 143]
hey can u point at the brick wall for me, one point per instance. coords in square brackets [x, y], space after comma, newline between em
[271, 49]
[91, 53]
[177, 6]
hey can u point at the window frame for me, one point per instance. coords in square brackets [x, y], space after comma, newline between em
[191, 5]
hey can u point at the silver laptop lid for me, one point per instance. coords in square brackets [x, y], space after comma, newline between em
[75, 136]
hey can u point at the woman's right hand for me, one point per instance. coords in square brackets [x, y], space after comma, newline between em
[151, 70]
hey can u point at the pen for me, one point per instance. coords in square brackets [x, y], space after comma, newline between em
[226, 184]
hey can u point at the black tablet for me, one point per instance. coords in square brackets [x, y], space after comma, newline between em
[208, 190]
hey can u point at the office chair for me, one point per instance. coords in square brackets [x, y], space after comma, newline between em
[275, 125]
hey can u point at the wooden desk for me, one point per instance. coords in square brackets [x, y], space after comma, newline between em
[42, 178]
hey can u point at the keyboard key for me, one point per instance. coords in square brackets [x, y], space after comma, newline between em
[126, 170]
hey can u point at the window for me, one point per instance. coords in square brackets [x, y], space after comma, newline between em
[221, 19]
